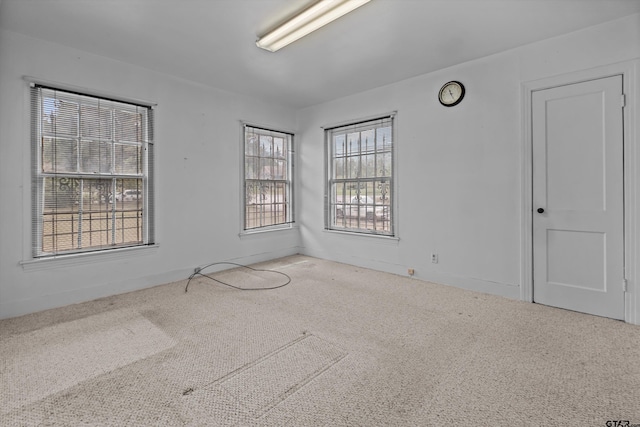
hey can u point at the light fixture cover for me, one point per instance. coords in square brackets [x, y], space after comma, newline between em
[318, 15]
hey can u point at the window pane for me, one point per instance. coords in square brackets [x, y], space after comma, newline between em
[60, 219]
[252, 193]
[340, 145]
[61, 193]
[128, 159]
[279, 149]
[251, 167]
[353, 146]
[353, 167]
[59, 155]
[128, 126]
[279, 169]
[266, 168]
[368, 141]
[383, 192]
[95, 157]
[266, 146]
[384, 164]
[251, 144]
[338, 168]
[96, 122]
[369, 166]
[126, 215]
[59, 117]
[383, 136]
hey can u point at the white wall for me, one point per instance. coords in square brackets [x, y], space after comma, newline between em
[197, 187]
[459, 169]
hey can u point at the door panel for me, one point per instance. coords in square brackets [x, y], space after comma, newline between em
[578, 238]
[568, 136]
[585, 268]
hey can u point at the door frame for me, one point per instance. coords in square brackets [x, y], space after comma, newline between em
[631, 152]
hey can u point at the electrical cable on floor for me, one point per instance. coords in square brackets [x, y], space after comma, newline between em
[198, 272]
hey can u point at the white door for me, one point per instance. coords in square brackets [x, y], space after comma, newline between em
[578, 204]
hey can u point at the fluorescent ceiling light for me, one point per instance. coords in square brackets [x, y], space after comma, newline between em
[318, 15]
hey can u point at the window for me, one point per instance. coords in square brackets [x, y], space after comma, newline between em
[92, 173]
[268, 182]
[360, 177]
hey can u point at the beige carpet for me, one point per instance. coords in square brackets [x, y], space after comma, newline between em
[338, 346]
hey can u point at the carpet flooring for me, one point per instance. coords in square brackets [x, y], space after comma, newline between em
[338, 346]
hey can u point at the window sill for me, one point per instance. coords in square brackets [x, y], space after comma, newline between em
[86, 258]
[261, 231]
[392, 240]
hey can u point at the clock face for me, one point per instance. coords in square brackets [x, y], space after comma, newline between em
[451, 94]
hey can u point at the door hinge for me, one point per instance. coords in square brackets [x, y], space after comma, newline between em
[623, 98]
[624, 285]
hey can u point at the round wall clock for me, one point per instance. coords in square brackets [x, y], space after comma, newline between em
[451, 93]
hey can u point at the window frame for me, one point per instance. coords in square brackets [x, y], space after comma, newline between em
[389, 211]
[39, 175]
[289, 182]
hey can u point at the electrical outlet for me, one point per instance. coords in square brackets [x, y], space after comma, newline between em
[434, 258]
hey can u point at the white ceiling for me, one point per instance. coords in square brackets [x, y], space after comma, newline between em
[213, 41]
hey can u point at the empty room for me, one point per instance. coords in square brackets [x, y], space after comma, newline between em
[319, 212]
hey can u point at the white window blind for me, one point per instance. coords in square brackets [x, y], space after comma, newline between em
[360, 177]
[92, 176]
[268, 183]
